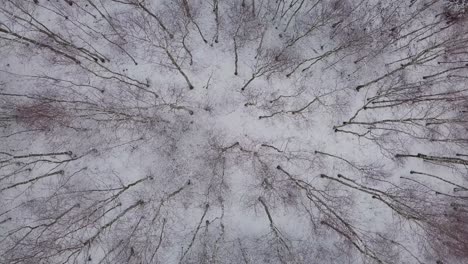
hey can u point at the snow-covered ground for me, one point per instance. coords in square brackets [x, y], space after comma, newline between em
[246, 131]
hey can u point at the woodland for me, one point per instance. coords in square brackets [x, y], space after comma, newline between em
[234, 131]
